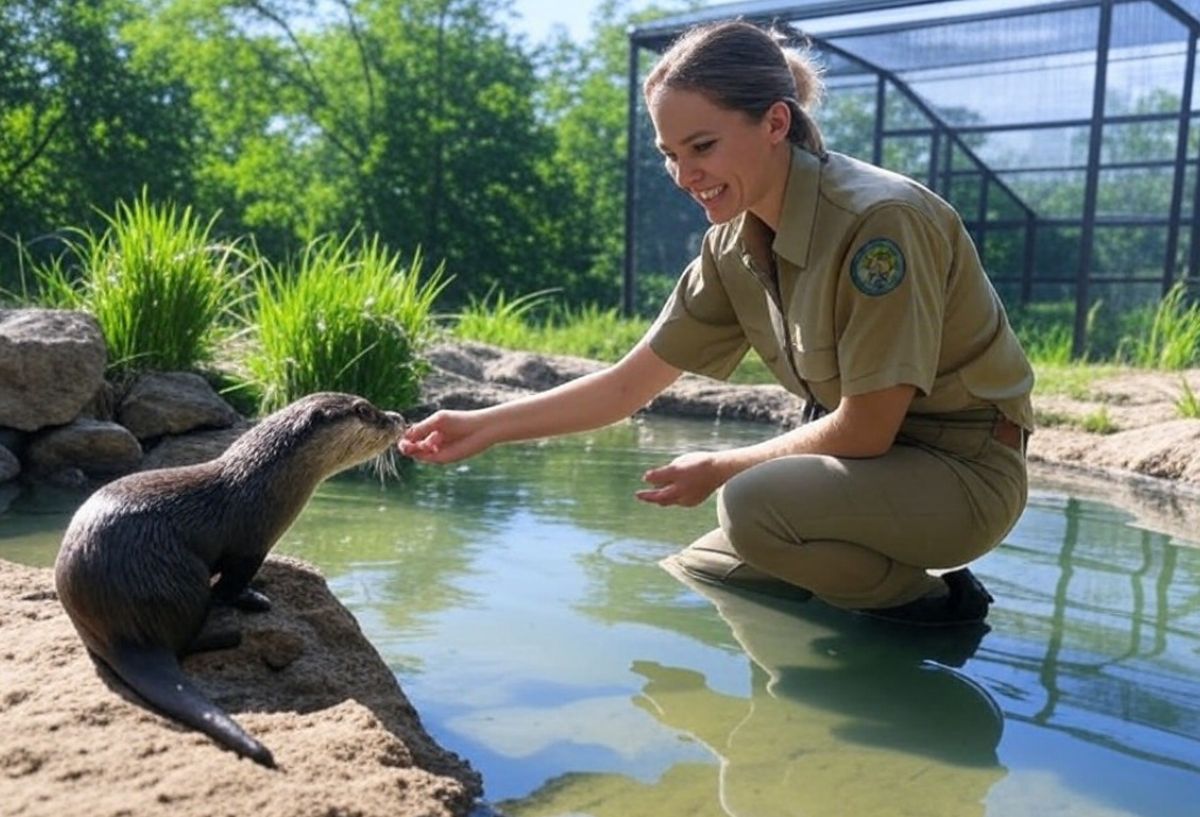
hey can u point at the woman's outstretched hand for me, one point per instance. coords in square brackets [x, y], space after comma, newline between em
[445, 436]
[687, 480]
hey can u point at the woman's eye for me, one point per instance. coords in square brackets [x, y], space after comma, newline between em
[702, 147]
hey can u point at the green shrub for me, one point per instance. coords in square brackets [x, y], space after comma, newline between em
[352, 320]
[156, 283]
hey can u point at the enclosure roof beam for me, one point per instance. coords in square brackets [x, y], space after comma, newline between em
[659, 33]
[933, 116]
[978, 17]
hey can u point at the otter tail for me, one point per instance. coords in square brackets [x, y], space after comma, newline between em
[155, 675]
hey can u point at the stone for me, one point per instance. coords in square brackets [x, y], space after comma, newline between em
[98, 448]
[173, 403]
[190, 449]
[51, 364]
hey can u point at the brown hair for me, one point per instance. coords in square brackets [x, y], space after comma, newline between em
[742, 67]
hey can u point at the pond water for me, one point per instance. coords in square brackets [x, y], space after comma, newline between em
[519, 600]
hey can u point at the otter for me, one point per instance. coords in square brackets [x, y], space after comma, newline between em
[146, 556]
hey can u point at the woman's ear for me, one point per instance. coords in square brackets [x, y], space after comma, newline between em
[778, 119]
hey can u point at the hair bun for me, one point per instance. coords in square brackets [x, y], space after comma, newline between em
[801, 58]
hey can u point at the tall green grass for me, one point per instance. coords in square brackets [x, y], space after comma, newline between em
[1170, 338]
[500, 320]
[155, 281]
[348, 318]
[589, 331]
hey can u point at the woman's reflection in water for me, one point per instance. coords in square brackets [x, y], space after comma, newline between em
[846, 716]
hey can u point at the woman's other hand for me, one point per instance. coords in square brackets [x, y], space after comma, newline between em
[687, 480]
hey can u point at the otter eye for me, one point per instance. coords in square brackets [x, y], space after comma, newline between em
[364, 410]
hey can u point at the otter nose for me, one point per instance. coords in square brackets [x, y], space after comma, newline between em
[396, 418]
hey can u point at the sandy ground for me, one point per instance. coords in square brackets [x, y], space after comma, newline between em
[1149, 462]
[305, 682]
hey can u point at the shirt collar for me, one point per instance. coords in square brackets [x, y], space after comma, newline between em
[795, 218]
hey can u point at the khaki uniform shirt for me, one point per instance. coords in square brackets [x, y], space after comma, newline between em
[872, 281]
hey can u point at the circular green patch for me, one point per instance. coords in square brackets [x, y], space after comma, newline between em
[878, 267]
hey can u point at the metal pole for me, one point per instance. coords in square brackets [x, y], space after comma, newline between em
[880, 105]
[1030, 255]
[1088, 234]
[981, 228]
[1181, 145]
[935, 144]
[628, 278]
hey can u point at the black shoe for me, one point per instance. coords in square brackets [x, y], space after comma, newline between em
[966, 603]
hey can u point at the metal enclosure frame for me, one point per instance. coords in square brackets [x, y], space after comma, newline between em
[953, 161]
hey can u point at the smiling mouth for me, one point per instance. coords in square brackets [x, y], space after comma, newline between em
[711, 193]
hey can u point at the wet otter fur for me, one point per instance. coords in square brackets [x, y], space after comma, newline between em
[145, 557]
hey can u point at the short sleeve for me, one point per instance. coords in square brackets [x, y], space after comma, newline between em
[892, 301]
[697, 329]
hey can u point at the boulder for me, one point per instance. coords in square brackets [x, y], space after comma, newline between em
[51, 364]
[98, 448]
[172, 403]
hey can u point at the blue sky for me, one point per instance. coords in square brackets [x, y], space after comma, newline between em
[538, 15]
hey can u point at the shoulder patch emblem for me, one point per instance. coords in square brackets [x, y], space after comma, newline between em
[878, 267]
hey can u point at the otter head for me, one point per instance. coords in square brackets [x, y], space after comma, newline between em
[345, 430]
[320, 435]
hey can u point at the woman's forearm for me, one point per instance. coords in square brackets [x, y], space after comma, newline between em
[863, 426]
[592, 401]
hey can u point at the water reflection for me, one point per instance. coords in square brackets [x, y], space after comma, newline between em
[520, 600]
[839, 712]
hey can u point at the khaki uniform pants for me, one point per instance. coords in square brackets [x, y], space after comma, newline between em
[861, 533]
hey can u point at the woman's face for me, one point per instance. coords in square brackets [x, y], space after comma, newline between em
[725, 160]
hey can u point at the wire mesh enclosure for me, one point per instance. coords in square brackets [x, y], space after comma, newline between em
[1063, 131]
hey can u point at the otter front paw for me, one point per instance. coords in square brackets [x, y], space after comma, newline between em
[251, 601]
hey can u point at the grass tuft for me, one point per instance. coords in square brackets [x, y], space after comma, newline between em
[1188, 404]
[351, 319]
[1098, 422]
[155, 282]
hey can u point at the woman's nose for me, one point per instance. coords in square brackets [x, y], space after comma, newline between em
[686, 174]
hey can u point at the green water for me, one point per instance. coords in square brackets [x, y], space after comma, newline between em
[519, 600]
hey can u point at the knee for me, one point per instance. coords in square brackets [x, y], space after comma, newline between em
[740, 506]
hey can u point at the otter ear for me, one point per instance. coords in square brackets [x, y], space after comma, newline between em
[365, 411]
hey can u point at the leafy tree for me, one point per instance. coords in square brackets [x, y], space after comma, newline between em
[413, 119]
[81, 123]
[585, 97]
